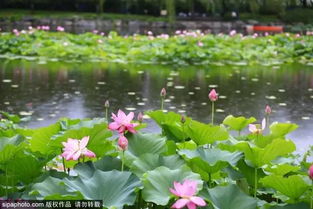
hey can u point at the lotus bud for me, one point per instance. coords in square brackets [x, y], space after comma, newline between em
[140, 117]
[183, 119]
[268, 110]
[107, 104]
[163, 92]
[122, 142]
[213, 95]
[310, 172]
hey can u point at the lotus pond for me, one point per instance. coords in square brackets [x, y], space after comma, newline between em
[67, 143]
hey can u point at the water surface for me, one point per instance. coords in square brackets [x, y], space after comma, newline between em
[52, 90]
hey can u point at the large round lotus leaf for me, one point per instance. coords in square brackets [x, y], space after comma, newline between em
[229, 197]
[158, 182]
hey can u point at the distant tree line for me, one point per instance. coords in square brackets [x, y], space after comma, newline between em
[171, 8]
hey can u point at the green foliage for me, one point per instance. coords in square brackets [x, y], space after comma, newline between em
[181, 50]
[141, 176]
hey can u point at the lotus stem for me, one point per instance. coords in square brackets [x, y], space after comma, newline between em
[122, 161]
[162, 103]
[212, 120]
[106, 114]
[63, 162]
[255, 181]
[210, 180]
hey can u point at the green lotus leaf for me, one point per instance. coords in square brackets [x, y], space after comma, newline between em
[211, 160]
[282, 129]
[229, 197]
[158, 182]
[261, 156]
[292, 186]
[238, 123]
[139, 144]
[282, 169]
[170, 124]
[148, 162]
[9, 147]
[202, 133]
[292, 206]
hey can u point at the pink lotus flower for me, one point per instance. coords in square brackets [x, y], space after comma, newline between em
[60, 29]
[74, 149]
[122, 122]
[122, 142]
[256, 129]
[213, 95]
[232, 32]
[310, 172]
[140, 117]
[200, 44]
[186, 191]
[163, 92]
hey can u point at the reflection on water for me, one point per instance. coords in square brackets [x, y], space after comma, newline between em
[77, 90]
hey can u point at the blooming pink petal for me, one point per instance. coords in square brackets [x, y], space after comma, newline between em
[310, 172]
[198, 201]
[76, 155]
[263, 124]
[114, 126]
[191, 205]
[129, 117]
[180, 203]
[121, 114]
[179, 188]
[173, 191]
[83, 142]
[89, 153]
[190, 188]
[252, 128]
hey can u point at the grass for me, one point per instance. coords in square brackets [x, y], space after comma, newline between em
[19, 14]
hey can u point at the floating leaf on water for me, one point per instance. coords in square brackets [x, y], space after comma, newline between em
[219, 110]
[282, 104]
[131, 93]
[181, 111]
[270, 97]
[24, 113]
[76, 92]
[255, 79]
[131, 108]
[213, 86]
[281, 90]
[243, 78]
[6, 81]
[183, 105]
[171, 97]
[252, 93]
[309, 63]
[141, 103]
[170, 78]
[97, 88]
[170, 84]
[146, 117]
[172, 107]
[52, 115]
[309, 89]
[40, 119]
[165, 110]
[305, 118]
[167, 100]
[204, 103]
[71, 81]
[14, 86]
[174, 73]
[311, 96]
[101, 83]
[191, 93]
[144, 99]
[6, 103]
[237, 91]
[197, 88]
[140, 72]
[268, 83]
[275, 67]
[222, 97]
[207, 76]
[179, 87]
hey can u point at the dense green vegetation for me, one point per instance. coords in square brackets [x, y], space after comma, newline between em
[186, 48]
[254, 170]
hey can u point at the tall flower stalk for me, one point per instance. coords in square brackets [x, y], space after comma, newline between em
[268, 111]
[107, 105]
[162, 94]
[213, 97]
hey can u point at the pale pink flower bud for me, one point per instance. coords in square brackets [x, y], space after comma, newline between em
[163, 92]
[122, 142]
[213, 95]
[183, 119]
[310, 172]
[107, 104]
[140, 117]
[268, 110]
[200, 44]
